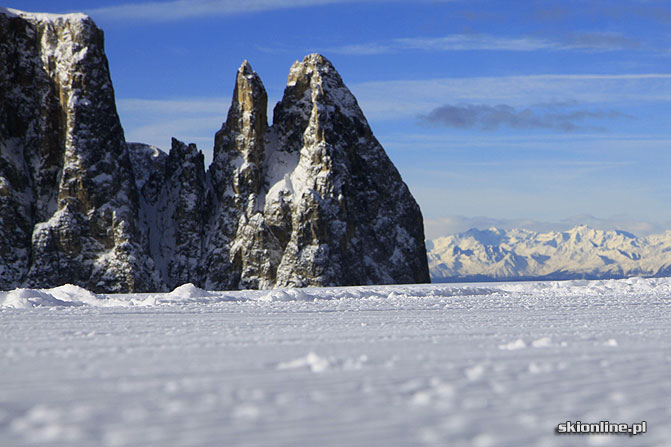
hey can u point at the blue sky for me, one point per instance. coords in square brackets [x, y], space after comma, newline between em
[541, 114]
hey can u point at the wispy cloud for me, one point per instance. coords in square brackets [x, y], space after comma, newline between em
[188, 9]
[564, 11]
[555, 116]
[597, 144]
[199, 130]
[601, 41]
[454, 42]
[588, 41]
[660, 13]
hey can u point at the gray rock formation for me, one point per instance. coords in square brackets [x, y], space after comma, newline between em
[69, 207]
[312, 200]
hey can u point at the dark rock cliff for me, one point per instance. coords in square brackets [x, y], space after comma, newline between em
[70, 207]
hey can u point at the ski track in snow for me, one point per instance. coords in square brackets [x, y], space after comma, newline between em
[440, 365]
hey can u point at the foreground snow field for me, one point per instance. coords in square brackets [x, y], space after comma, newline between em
[444, 365]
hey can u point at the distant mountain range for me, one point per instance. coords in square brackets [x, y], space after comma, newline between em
[579, 253]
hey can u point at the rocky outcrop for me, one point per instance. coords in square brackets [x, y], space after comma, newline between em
[312, 200]
[579, 253]
[70, 209]
[353, 220]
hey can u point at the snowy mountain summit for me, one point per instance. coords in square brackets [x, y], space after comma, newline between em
[312, 200]
[579, 253]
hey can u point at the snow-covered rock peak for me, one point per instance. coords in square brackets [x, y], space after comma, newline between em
[246, 68]
[316, 81]
[44, 16]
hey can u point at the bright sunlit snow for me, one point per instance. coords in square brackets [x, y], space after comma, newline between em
[443, 365]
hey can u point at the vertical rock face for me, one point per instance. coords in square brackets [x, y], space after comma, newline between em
[63, 153]
[312, 200]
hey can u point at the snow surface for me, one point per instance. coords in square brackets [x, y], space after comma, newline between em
[442, 365]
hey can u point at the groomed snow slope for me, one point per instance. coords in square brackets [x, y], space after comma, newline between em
[476, 365]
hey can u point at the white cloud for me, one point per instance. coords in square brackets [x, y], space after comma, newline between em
[601, 41]
[565, 117]
[189, 9]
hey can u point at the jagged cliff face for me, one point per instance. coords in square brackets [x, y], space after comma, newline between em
[311, 200]
[69, 210]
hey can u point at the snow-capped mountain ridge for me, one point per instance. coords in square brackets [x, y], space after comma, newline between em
[581, 252]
